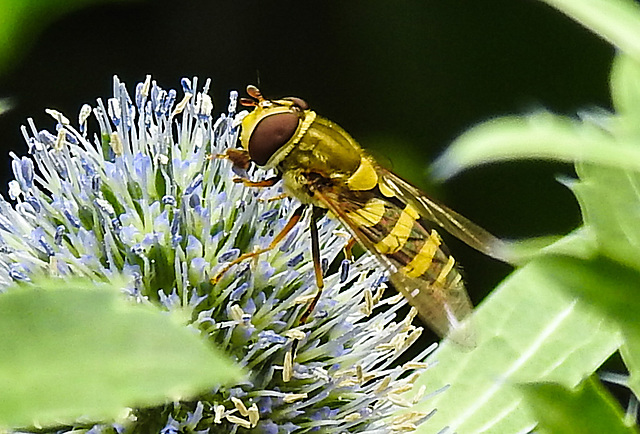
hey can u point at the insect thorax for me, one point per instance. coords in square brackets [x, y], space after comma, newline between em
[325, 153]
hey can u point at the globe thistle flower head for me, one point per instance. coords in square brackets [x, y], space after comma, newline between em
[147, 197]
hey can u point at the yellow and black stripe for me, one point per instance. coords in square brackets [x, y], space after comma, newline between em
[390, 225]
[397, 231]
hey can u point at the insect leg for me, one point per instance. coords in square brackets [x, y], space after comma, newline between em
[264, 183]
[241, 160]
[317, 265]
[274, 243]
[348, 254]
[274, 198]
[239, 157]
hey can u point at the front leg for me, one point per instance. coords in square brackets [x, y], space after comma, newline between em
[238, 157]
[264, 183]
[241, 162]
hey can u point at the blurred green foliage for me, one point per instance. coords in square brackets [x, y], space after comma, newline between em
[576, 301]
[21, 21]
[589, 408]
[77, 348]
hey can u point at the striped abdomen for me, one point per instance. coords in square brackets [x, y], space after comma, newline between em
[397, 232]
[384, 217]
[420, 267]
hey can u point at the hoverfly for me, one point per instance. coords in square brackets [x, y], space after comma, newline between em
[322, 166]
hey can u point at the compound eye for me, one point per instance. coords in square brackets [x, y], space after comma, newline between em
[270, 134]
[298, 102]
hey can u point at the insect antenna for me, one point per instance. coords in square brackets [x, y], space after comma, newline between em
[247, 102]
[254, 92]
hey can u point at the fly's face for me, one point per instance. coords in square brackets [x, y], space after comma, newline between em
[274, 127]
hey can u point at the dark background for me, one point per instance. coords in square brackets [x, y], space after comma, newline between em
[404, 78]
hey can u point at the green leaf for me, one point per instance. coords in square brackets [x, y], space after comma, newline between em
[69, 349]
[528, 330]
[610, 202]
[625, 92]
[610, 196]
[589, 408]
[616, 21]
[580, 243]
[630, 352]
[610, 289]
[541, 136]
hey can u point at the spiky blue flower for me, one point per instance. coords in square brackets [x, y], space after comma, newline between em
[144, 198]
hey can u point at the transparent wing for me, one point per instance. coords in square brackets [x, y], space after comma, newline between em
[449, 220]
[418, 266]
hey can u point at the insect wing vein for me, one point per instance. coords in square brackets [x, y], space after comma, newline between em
[452, 222]
[395, 233]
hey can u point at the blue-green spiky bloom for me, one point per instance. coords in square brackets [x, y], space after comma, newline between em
[144, 198]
